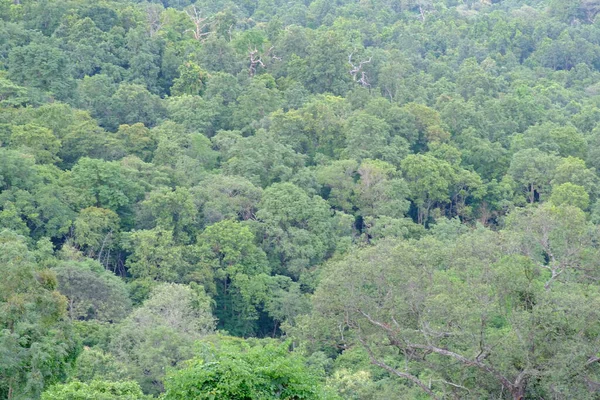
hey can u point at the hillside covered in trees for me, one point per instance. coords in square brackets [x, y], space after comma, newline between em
[300, 199]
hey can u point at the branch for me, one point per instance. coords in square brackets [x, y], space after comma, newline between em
[591, 361]
[475, 363]
[452, 384]
[376, 323]
[199, 23]
[356, 69]
[394, 371]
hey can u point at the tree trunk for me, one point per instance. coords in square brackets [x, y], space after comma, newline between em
[518, 393]
[531, 193]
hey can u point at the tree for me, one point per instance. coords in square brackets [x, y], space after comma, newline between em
[565, 141]
[37, 345]
[193, 112]
[429, 181]
[380, 190]
[92, 292]
[86, 139]
[574, 170]
[191, 81]
[338, 183]
[481, 329]
[558, 238]
[12, 95]
[172, 210]
[17, 170]
[474, 80]
[133, 103]
[93, 363]
[238, 370]
[369, 137]
[223, 197]
[45, 210]
[162, 333]
[39, 140]
[236, 272]
[259, 99]
[94, 93]
[570, 194]
[327, 67]
[103, 184]
[429, 125]
[299, 231]
[262, 160]
[325, 118]
[216, 54]
[533, 170]
[96, 230]
[138, 140]
[95, 390]
[42, 66]
[156, 256]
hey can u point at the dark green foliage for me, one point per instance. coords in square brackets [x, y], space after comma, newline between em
[92, 292]
[43, 67]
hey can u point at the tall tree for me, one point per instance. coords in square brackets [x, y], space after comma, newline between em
[37, 344]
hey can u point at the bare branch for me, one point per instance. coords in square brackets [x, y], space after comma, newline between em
[199, 23]
[153, 15]
[256, 59]
[359, 68]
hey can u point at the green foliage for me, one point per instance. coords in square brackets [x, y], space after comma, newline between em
[100, 390]
[92, 292]
[95, 230]
[161, 333]
[570, 194]
[227, 197]
[533, 170]
[173, 211]
[43, 67]
[318, 167]
[299, 230]
[240, 370]
[37, 346]
[191, 80]
[429, 181]
[156, 255]
[103, 184]
[384, 292]
[133, 103]
[40, 141]
[262, 160]
[235, 269]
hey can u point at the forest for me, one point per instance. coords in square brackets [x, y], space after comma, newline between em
[299, 199]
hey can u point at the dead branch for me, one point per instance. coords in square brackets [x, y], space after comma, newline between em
[256, 59]
[356, 69]
[153, 15]
[199, 22]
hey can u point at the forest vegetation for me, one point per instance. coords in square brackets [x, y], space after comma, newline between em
[300, 199]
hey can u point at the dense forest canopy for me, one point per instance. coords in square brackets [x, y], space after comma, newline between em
[302, 199]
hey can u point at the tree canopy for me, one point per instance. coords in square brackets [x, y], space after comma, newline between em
[299, 199]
